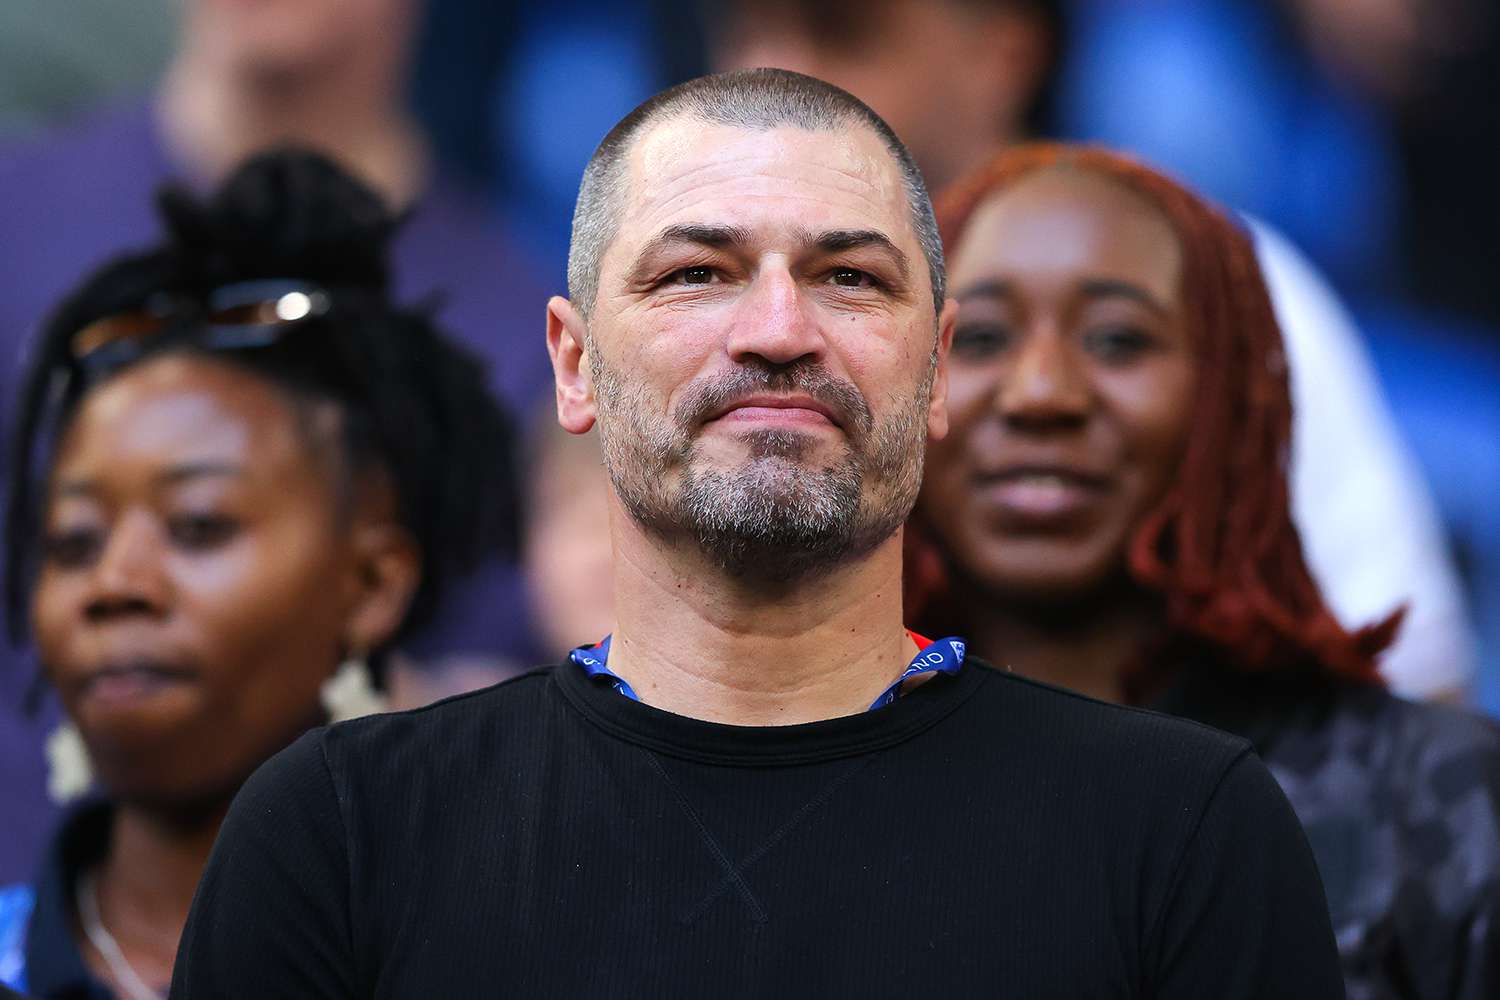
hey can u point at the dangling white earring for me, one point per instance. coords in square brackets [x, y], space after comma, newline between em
[70, 774]
[350, 693]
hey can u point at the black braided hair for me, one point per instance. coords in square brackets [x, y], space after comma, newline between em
[415, 406]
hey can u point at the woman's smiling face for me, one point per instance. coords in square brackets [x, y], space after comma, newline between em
[1071, 386]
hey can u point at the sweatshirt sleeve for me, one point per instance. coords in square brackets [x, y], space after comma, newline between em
[1246, 916]
[270, 917]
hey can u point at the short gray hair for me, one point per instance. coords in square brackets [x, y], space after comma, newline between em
[757, 99]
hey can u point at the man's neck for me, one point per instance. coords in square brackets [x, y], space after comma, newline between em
[1087, 647]
[693, 641]
[212, 120]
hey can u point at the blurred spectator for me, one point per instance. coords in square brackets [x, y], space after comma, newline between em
[332, 74]
[463, 48]
[1370, 131]
[1428, 68]
[1367, 129]
[957, 79]
[243, 473]
[1444, 381]
[1109, 512]
[1210, 90]
[1371, 533]
[576, 68]
[57, 57]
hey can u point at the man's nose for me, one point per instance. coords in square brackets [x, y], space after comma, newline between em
[775, 323]
[1045, 385]
[130, 576]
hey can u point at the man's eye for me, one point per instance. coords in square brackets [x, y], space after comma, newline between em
[1117, 344]
[848, 277]
[978, 341]
[695, 275]
[73, 548]
[201, 531]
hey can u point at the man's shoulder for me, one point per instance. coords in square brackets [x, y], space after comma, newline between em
[1067, 730]
[1068, 764]
[1105, 720]
[450, 744]
[510, 699]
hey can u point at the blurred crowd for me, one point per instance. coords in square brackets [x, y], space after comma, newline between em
[1358, 140]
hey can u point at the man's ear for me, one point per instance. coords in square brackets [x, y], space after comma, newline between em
[387, 568]
[570, 366]
[937, 406]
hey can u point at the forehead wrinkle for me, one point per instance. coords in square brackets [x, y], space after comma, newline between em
[679, 167]
[662, 145]
[865, 176]
[671, 197]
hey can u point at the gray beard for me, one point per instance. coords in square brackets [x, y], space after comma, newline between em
[776, 519]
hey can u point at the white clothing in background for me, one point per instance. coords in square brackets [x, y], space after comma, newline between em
[1369, 528]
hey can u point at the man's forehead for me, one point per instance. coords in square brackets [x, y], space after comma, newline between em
[779, 178]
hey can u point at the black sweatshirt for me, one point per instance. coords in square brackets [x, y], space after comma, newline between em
[983, 836]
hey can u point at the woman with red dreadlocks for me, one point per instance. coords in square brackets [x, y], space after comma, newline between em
[1109, 513]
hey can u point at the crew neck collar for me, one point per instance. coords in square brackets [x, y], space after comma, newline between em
[761, 746]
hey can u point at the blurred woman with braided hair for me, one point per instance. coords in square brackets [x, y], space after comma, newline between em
[242, 473]
[1109, 513]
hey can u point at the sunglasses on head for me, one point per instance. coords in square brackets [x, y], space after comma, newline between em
[243, 315]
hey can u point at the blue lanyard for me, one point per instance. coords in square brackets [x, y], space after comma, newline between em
[945, 656]
[593, 660]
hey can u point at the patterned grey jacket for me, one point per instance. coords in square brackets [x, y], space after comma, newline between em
[1401, 803]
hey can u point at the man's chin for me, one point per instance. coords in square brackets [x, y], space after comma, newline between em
[731, 454]
[772, 563]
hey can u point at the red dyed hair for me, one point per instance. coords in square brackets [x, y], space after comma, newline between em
[1221, 547]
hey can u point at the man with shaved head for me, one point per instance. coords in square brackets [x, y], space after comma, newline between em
[761, 784]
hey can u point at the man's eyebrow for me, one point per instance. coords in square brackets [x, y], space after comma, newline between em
[834, 240]
[689, 234]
